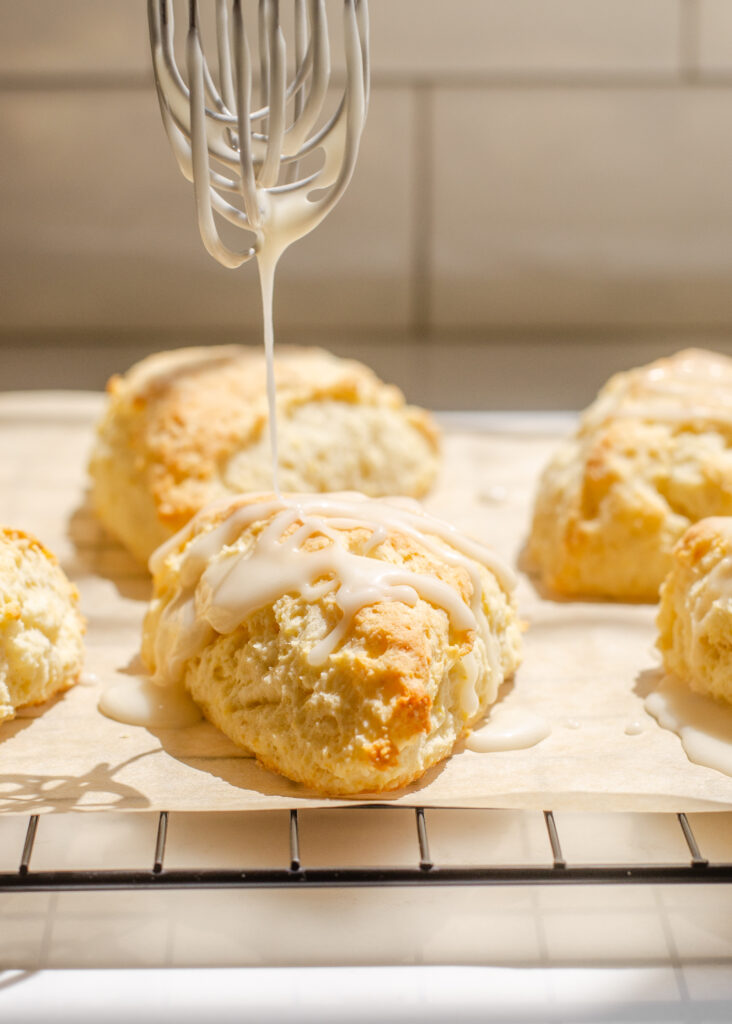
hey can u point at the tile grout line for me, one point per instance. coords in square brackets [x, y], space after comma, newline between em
[421, 230]
[46, 938]
[671, 946]
[539, 926]
[689, 25]
[600, 333]
[67, 82]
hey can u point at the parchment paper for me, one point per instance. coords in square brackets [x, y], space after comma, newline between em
[587, 666]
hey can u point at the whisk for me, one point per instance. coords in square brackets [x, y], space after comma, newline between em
[246, 164]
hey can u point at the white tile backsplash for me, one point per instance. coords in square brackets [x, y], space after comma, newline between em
[573, 207]
[715, 36]
[76, 37]
[99, 226]
[531, 170]
[425, 37]
[514, 37]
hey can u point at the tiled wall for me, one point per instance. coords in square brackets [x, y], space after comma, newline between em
[544, 193]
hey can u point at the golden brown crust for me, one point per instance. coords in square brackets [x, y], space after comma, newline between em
[650, 456]
[41, 628]
[189, 426]
[697, 542]
[695, 614]
[390, 700]
[26, 541]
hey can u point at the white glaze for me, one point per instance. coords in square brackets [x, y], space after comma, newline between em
[495, 494]
[634, 728]
[141, 702]
[221, 582]
[467, 674]
[703, 724]
[704, 597]
[509, 729]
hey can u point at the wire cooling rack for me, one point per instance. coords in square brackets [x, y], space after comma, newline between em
[425, 872]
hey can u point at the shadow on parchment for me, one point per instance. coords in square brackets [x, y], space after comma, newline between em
[98, 553]
[247, 774]
[29, 794]
[205, 749]
[24, 717]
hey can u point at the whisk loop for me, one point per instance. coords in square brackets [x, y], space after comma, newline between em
[245, 164]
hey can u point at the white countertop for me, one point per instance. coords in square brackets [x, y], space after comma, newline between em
[387, 994]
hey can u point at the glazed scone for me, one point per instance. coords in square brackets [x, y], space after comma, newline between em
[186, 427]
[347, 642]
[651, 456]
[41, 629]
[695, 613]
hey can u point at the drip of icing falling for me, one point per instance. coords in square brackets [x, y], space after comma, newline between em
[703, 724]
[278, 213]
[509, 729]
[267, 269]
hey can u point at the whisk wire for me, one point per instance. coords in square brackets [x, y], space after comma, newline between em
[211, 124]
[243, 64]
[276, 93]
[206, 197]
[224, 54]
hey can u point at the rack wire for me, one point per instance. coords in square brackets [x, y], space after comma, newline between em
[425, 872]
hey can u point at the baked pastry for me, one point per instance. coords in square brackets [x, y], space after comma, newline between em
[651, 456]
[347, 642]
[186, 427]
[695, 613]
[41, 629]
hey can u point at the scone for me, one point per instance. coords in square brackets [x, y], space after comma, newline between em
[186, 427]
[695, 613]
[348, 642]
[41, 629]
[651, 456]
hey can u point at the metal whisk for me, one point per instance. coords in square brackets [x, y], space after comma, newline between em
[245, 164]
